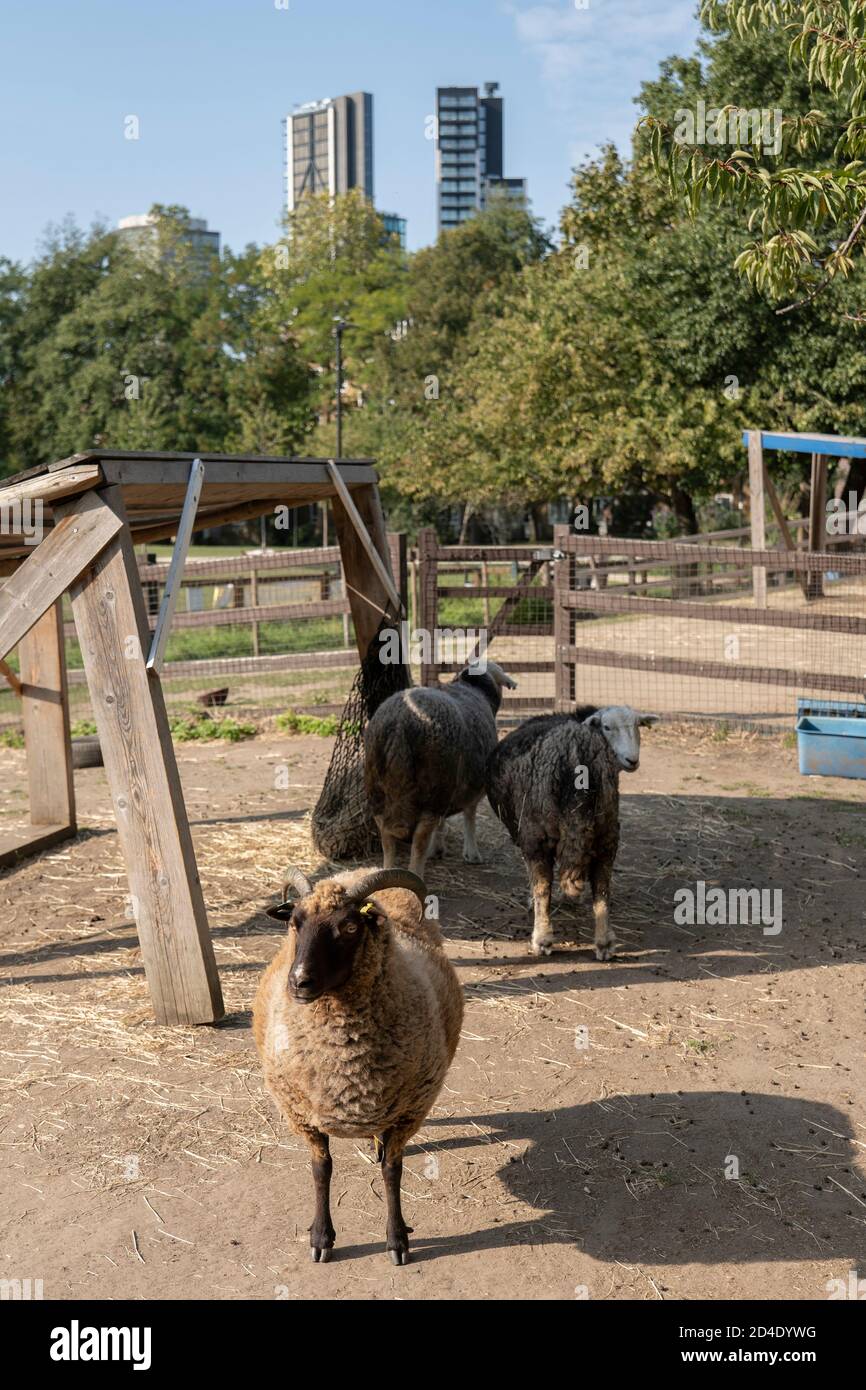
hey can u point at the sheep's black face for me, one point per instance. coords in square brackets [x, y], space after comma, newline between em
[326, 948]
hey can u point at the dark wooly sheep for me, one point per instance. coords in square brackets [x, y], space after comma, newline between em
[554, 784]
[426, 754]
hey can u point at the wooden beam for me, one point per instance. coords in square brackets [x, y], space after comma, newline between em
[428, 595]
[667, 552]
[45, 711]
[817, 520]
[782, 523]
[11, 678]
[144, 533]
[48, 487]
[369, 598]
[243, 617]
[175, 572]
[152, 822]
[46, 574]
[787, 678]
[20, 844]
[379, 562]
[661, 608]
[757, 516]
[563, 680]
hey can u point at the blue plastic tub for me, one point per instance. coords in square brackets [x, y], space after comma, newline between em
[831, 738]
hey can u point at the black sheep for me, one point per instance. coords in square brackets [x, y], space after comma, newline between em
[426, 752]
[554, 784]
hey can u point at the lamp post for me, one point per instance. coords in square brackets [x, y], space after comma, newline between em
[340, 324]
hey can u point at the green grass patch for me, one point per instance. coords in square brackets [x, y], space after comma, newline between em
[201, 728]
[293, 723]
[83, 728]
[9, 738]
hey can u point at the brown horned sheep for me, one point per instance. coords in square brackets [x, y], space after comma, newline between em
[357, 1020]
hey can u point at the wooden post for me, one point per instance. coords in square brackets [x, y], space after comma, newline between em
[563, 672]
[757, 515]
[10, 677]
[48, 571]
[428, 607]
[367, 595]
[485, 580]
[414, 617]
[817, 521]
[45, 711]
[254, 602]
[784, 529]
[152, 824]
[399, 566]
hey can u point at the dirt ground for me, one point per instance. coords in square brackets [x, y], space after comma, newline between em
[687, 1121]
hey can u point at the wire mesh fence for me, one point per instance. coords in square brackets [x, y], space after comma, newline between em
[698, 629]
[708, 632]
[253, 635]
[492, 600]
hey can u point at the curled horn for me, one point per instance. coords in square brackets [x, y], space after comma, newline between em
[294, 879]
[389, 878]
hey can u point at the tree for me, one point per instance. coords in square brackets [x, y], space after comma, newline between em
[416, 420]
[145, 347]
[335, 261]
[797, 170]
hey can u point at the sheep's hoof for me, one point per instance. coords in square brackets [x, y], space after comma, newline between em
[472, 856]
[398, 1245]
[321, 1243]
[606, 950]
[542, 948]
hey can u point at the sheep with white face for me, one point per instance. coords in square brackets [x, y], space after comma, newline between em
[554, 784]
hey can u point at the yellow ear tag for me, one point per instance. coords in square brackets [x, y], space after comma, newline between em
[368, 907]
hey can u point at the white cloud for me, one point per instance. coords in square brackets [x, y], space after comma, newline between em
[607, 41]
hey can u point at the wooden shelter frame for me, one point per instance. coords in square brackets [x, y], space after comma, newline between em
[93, 509]
[761, 490]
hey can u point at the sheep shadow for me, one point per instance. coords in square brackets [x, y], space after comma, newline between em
[707, 1178]
[804, 849]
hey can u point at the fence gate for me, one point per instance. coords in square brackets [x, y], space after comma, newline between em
[707, 632]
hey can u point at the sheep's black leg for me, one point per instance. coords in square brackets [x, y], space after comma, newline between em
[397, 1232]
[322, 1233]
[605, 941]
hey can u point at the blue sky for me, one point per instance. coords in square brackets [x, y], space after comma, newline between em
[210, 81]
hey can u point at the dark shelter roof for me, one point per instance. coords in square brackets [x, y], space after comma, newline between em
[236, 486]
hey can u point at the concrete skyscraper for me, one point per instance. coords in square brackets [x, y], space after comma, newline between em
[329, 147]
[469, 153]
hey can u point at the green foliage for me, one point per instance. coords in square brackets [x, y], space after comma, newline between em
[335, 260]
[293, 723]
[203, 728]
[83, 728]
[805, 196]
[107, 345]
